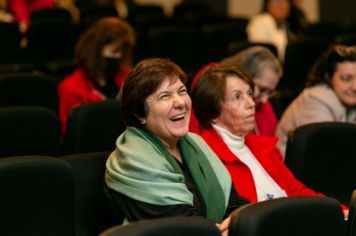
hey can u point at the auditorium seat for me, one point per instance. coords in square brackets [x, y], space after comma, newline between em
[172, 226]
[29, 131]
[36, 196]
[180, 43]
[297, 216]
[93, 210]
[93, 127]
[216, 37]
[51, 36]
[322, 155]
[12, 55]
[28, 89]
[300, 56]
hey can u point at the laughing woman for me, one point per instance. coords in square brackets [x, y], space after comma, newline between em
[159, 169]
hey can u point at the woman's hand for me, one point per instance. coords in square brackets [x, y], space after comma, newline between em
[224, 226]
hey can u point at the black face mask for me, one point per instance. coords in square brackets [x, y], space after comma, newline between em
[112, 67]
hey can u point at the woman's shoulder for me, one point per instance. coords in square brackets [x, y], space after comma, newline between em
[315, 104]
[77, 77]
[319, 90]
[197, 138]
[202, 144]
[320, 94]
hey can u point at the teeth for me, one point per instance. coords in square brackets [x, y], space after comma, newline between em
[178, 116]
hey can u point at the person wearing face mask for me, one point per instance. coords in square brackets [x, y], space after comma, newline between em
[103, 55]
[224, 105]
[330, 94]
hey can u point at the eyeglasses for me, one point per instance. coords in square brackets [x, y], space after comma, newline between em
[265, 91]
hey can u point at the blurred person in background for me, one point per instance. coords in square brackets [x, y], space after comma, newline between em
[21, 9]
[271, 26]
[5, 15]
[330, 94]
[103, 55]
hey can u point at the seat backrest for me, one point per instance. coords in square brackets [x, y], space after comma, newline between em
[26, 89]
[173, 226]
[93, 127]
[322, 155]
[51, 36]
[306, 50]
[93, 210]
[29, 131]
[36, 196]
[188, 11]
[216, 37]
[323, 30]
[351, 221]
[299, 216]
[92, 14]
[10, 49]
[176, 41]
[147, 10]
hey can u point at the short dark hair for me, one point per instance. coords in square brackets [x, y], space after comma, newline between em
[142, 81]
[209, 92]
[325, 67]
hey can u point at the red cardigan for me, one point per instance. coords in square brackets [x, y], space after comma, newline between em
[264, 149]
[78, 89]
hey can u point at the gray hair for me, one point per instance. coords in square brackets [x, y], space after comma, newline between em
[253, 60]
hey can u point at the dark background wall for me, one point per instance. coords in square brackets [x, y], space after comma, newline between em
[218, 6]
[338, 11]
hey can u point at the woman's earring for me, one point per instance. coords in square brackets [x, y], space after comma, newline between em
[142, 121]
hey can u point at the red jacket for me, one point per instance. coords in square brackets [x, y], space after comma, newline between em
[266, 119]
[78, 89]
[264, 149]
[21, 9]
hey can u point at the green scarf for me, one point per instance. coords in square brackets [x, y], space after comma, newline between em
[142, 168]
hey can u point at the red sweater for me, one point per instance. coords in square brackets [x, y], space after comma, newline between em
[78, 89]
[264, 149]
